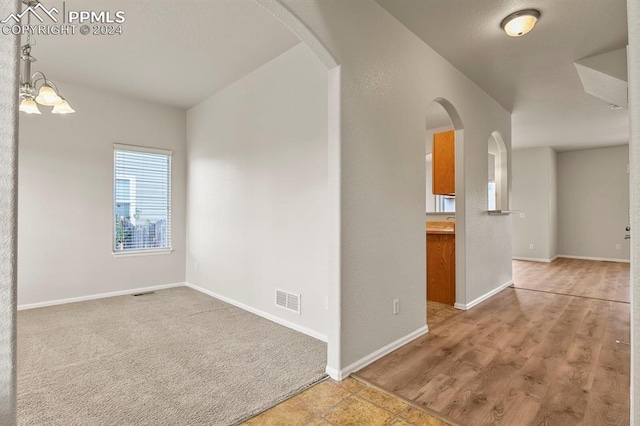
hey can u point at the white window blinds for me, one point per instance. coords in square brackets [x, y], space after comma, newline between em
[141, 199]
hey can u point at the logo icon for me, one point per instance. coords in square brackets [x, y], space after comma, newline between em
[33, 10]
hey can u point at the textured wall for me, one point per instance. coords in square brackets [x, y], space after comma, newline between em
[385, 93]
[533, 183]
[593, 203]
[634, 113]
[66, 192]
[8, 185]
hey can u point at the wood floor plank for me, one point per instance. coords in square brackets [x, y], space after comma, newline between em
[608, 400]
[576, 277]
[554, 352]
[516, 408]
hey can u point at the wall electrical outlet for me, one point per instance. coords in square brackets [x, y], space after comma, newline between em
[618, 247]
[396, 306]
[523, 215]
[530, 246]
[195, 266]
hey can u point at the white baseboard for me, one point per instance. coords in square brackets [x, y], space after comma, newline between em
[263, 314]
[335, 374]
[467, 306]
[599, 259]
[535, 259]
[374, 356]
[97, 296]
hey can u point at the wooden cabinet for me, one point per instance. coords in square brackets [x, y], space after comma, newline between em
[444, 163]
[441, 267]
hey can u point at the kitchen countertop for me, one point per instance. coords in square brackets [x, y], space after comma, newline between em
[440, 228]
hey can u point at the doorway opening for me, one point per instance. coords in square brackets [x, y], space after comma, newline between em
[444, 207]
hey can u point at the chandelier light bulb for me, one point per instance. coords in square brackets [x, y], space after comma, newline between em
[47, 96]
[29, 106]
[37, 82]
[63, 108]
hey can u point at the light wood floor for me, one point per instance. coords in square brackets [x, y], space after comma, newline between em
[586, 278]
[523, 357]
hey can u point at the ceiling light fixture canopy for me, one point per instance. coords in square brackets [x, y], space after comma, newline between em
[520, 23]
[36, 88]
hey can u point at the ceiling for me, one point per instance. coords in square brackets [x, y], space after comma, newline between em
[180, 52]
[532, 76]
[172, 52]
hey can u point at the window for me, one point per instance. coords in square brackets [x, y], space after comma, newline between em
[446, 203]
[492, 195]
[141, 200]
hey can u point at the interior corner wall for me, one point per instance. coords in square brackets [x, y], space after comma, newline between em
[389, 78]
[257, 197]
[534, 195]
[593, 206]
[66, 197]
[8, 217]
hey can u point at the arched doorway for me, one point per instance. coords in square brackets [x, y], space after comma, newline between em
[333, 303]
[444, 210]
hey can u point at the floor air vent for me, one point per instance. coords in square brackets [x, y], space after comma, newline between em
[143, 294]
[288, 301]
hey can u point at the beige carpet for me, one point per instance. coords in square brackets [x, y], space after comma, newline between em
[176, 357]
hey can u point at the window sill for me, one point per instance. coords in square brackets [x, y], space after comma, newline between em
[501, 212]
[134, 253]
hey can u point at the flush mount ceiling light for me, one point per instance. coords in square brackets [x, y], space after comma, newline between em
[36, 88]
[520, 23]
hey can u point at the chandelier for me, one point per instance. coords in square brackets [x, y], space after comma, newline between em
[36, 88]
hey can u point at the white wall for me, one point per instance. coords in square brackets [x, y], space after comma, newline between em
[534, 196]
[389, 78]
[257, 200]
[66, 191]
[593, 203]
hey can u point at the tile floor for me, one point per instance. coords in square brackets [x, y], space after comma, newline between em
[438, 313]
[349, 402]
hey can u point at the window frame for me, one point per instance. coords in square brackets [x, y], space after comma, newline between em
[145, 251]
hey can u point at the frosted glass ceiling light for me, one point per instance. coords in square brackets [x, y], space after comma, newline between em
[36, 88]
[520, 23]
[62, 108]
[47, 96]
[29, 106]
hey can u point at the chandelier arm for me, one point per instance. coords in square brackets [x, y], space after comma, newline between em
[34, 79]
[52, 84]
[28, 83]
[45, 80]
